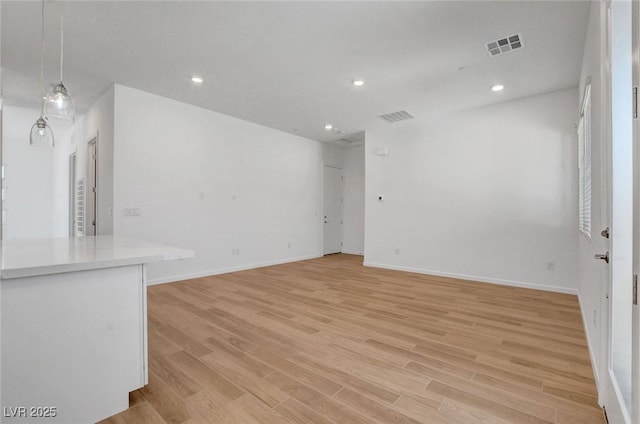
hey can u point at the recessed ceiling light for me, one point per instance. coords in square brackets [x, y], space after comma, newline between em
[497, 87]
[328, 127]
[197, 80]
[357, 82]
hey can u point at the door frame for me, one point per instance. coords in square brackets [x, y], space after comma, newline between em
[606, 189]
[89, 220]
[73, 171]
[635, 326]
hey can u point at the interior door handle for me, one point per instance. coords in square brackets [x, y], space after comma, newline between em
[604, 257]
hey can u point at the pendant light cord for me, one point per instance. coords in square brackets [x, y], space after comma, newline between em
[42, 60]
[61, 42]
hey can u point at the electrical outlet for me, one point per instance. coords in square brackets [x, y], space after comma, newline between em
[551, 266]
[201, 195]
[397, 250]
[289, 245]
[131, 212]
[235, 252]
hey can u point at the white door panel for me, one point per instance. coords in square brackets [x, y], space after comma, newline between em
[332, 227]
[620, 389]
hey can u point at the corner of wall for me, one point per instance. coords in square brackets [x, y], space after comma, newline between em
[99, 121]
[455, 203]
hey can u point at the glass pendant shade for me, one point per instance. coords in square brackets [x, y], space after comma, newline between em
[59, 103]
[41, 134]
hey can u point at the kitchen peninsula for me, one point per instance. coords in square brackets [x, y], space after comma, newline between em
[74, 326]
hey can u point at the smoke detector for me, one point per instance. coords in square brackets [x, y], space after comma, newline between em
[504, 45]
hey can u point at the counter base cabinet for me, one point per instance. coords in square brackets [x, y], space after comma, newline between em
[72, 341]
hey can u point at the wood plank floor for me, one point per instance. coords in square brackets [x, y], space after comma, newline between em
[330, 341]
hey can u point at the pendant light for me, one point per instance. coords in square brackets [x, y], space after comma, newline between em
[59, 103]
[41, 134]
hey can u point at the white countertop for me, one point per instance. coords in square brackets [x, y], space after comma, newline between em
[25, 258]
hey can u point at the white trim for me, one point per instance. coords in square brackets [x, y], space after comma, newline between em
[208, 273]
[594, 364]
[476, 278]
[353, 252]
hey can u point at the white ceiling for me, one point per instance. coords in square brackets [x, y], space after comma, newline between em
[289, 65]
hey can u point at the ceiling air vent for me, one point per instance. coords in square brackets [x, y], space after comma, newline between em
[504, 45]
[396, 116]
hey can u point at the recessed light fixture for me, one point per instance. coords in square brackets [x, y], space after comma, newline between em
[328, 127]
[197, 80]
[358, 82]
[497, 87]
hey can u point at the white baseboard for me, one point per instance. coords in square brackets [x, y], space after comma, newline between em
[219, 271]
[352, 252]
[596, 376]
[478, 278]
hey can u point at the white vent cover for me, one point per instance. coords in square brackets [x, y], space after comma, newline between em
[396, 116]
[504, 45]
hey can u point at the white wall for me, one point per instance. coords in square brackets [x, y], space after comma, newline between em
[353, 205]
[213, 183]
[65, 136]
[333, 155]
[28, 178]
[592, 274]
[99, 120]
[488, 194]
[37, 179]
[622, 152]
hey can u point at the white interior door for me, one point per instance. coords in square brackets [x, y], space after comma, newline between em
[618, 378]
[332, 230]
[635, 312]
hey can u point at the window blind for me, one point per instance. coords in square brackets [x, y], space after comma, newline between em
[584, 164]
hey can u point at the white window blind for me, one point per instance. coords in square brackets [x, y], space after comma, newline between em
[584, 164]
[80, 197]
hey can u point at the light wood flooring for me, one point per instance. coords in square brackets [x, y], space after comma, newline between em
[330, 341]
